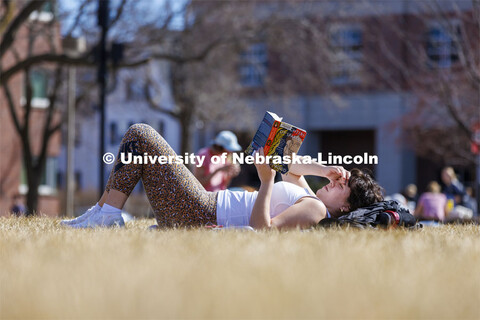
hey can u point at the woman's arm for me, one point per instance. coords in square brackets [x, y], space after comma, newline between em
[298, 170]
[316, 169]
[297, 180]
[306, 213]
[306, 169]
[260, 217]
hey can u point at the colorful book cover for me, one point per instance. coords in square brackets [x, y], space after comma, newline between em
[277, 138]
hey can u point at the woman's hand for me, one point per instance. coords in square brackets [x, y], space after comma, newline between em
[336, 174]
[265, 173]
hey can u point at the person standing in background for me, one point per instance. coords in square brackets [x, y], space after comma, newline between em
[217, 176]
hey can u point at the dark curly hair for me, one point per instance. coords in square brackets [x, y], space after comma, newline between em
[364, 191]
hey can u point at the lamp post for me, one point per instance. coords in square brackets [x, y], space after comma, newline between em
[72, 47]
[103, 21]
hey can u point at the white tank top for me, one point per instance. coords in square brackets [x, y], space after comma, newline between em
[234, 208]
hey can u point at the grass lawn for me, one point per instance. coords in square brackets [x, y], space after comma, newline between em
[49, 271]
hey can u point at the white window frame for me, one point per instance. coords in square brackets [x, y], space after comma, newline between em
[39, 103]
[344, 60]
[50, 187]
[41, 16]
[253, 67]
[446, 43]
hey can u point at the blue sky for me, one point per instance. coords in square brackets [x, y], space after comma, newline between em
[150, 7]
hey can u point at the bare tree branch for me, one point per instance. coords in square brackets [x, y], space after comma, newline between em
[61, 59]
[118, 13]
[9, 35]
[55, 128]
[465, 53]
[27, 108]
[85, 61]
[447, 95]
[15, 54]
[80, 12]
[11, 107]
[193, 58]
[154, 105]
[50, 113]
[9, 12]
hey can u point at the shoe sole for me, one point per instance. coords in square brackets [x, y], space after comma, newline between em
[117, 223]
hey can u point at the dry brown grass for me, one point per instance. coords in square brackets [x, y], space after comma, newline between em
[49, 271]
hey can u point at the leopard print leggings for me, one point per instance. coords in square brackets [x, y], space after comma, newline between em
[176, 196]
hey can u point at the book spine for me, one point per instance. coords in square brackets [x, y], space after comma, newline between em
[271, 136]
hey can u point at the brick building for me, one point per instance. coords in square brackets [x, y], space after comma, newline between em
[12, 173]
[377, 61]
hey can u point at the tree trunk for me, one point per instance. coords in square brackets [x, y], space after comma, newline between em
[33, 181]
[34, 169]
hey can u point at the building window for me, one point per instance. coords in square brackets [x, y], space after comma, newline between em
[46, 13]
[346, 43]
[38, 81]
[60, 180]
[443, 43]
[253, 66]
[133, 90]
[113, 133]
[48, 183]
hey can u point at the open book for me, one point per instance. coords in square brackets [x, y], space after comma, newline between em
[277, 139]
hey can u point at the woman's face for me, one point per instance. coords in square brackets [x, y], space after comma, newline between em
[334, 195]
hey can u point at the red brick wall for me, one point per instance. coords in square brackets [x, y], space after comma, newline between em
[10, 143]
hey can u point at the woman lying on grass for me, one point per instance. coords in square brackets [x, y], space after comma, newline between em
[179, 200]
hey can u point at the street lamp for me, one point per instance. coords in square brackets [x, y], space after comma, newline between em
[103, 22]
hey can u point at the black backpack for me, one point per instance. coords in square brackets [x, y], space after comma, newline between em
[382, 214]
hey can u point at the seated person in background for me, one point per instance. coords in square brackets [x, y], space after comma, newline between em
[432, 204]
[406, 198]
[216, 177]
[18, 208]
[410, 194]
[470, 201]
[453, 188]
[400, 198]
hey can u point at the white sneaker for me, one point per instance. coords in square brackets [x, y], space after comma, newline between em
[101, 220]
[83, 217]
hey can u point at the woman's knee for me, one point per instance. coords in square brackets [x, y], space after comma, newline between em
[139, 129]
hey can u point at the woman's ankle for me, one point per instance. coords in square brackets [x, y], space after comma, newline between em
[108, 209]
